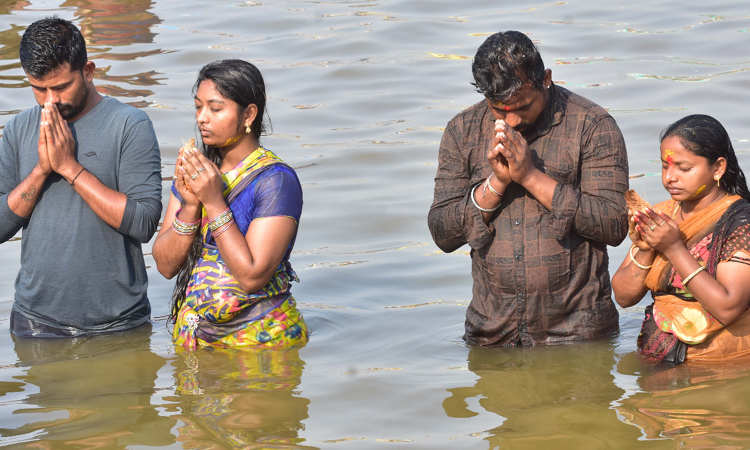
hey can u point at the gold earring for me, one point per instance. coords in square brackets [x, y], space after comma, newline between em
[247, 129]
[718, 181]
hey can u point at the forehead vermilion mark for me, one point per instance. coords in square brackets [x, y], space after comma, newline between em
[500, 105]
[668, 153]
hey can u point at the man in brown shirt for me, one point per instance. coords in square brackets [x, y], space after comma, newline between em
[532, 178]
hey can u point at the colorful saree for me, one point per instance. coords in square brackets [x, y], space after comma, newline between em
[676, 327]
[216, 311]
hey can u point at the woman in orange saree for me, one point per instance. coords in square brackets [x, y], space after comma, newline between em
[692, 251]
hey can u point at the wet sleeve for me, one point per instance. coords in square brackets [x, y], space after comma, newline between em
[453, 219]
[140, 180]
[278, 193]
[596, 210]
[10, 222]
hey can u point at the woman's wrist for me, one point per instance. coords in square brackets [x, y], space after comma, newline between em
[645, 257]
[647, 254]
[213, 209]
[637, 258]
[189, 212]
[675, 251]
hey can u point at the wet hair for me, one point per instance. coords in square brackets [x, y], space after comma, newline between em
[241, 82]
[48, 44]
[706, 137]
[505, 63]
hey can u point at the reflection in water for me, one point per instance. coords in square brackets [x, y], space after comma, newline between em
[696, 405]
[240, 399]
[115, 22]
[558, 394]
[6, 6]
[10, 40]
[111, 23]
[91, 392]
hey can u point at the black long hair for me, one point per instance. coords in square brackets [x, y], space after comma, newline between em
[705, 136]
[241, 82]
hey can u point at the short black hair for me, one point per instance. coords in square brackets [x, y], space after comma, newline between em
[505, 63]
[50, 43]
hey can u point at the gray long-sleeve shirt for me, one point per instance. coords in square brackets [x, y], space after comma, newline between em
[77, 272]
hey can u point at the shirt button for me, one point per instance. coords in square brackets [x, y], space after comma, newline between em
[520, 295]
[518, 257]
[518, 221]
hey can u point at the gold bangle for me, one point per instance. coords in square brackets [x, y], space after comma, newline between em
[632, 258]
[692, 275]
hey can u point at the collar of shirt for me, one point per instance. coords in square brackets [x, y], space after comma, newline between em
[552, 116]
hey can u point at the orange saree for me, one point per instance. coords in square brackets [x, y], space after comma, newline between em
[675, 313]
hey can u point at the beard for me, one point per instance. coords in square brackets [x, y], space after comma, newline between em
[78, 103]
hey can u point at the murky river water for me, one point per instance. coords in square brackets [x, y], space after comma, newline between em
[359, 93]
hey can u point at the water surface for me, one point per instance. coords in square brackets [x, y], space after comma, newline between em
[359, 94]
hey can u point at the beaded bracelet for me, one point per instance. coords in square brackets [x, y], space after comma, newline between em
[185, 228]
[632, 258]
[692, 275]
[220, 220]
[222, 229]
[479, 207]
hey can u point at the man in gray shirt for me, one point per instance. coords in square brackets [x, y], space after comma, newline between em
[81, 174]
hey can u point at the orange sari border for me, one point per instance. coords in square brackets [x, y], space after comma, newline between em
[687, 320]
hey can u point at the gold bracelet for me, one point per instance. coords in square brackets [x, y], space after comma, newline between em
[692, 275]
[632, 258]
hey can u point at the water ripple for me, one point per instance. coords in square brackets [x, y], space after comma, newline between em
[377, 249]
[648, 59]
[333, 264]
[364, 144]
[688, 79]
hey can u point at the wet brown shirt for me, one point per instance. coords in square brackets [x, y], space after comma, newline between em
[540, 276]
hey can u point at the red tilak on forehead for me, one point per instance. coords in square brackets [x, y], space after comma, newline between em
[503, 107]
[669, 154]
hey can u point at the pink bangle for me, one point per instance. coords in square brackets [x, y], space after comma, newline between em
[184, 228]
[221, 220]
[215, 233]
